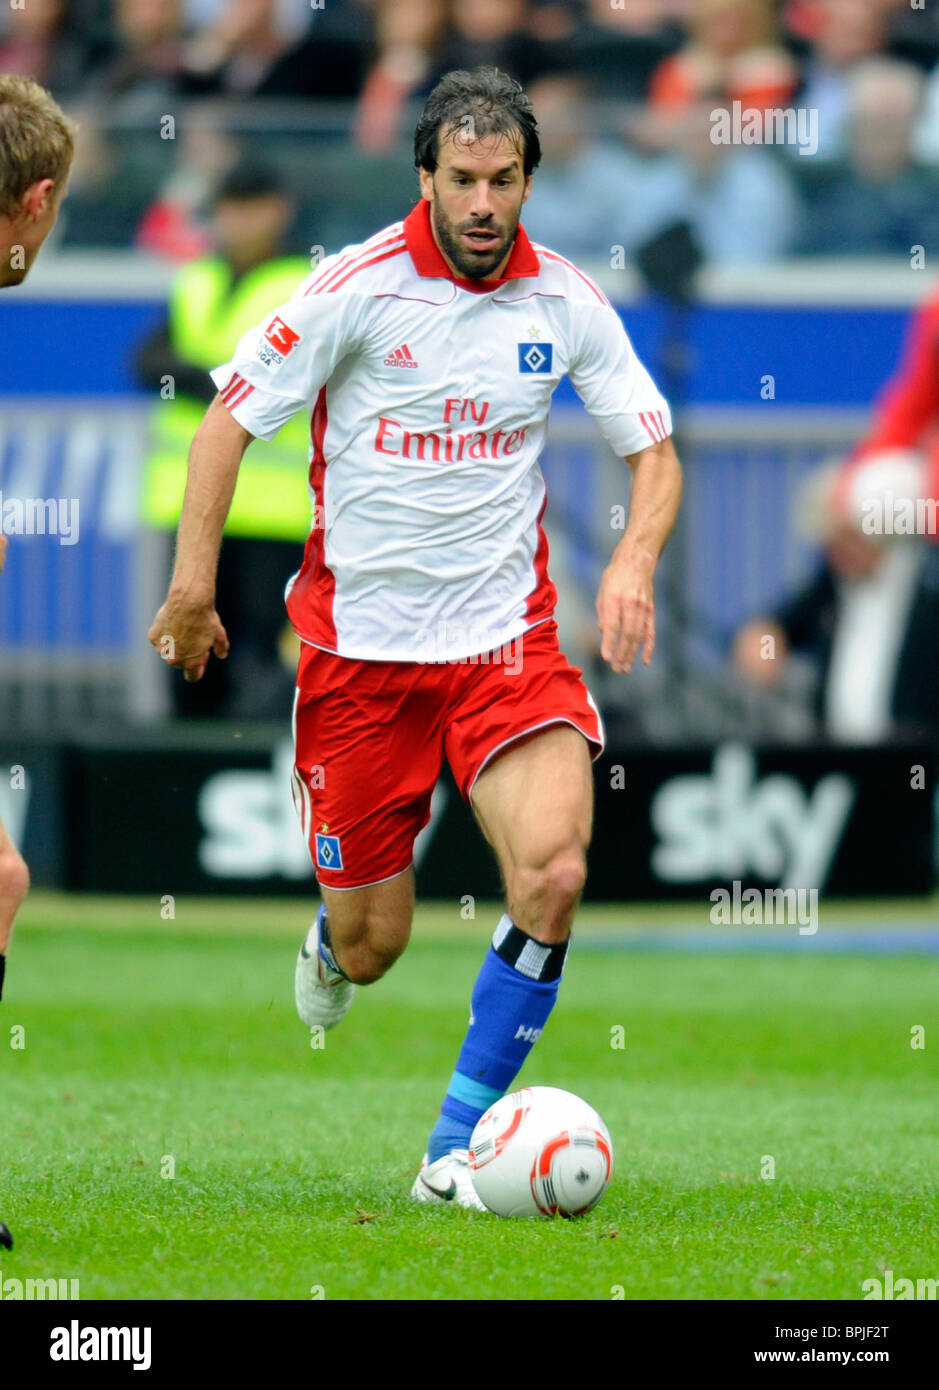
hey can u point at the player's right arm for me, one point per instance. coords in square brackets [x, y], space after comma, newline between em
[187, 628]
[277, 369]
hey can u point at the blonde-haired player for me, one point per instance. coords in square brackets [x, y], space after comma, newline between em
[37, 142]
[14, 875]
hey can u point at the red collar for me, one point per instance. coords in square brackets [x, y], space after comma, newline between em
[428, 259]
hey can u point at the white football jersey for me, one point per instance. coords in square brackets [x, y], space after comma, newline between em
[429, 400]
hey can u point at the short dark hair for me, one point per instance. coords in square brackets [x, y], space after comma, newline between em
[496, 103]
[249, 179]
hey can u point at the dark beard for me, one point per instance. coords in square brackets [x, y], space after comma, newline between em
[479, 267]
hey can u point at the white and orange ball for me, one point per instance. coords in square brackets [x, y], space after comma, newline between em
[541, 1152]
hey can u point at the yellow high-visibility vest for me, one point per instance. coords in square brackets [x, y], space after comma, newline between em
[206, 319]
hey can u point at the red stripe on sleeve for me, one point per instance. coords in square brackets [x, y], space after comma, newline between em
[650, 429]
[240, 397]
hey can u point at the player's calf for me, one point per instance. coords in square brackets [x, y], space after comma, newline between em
[14, 885]
[370, 927]
[367, 960]
[356, 937]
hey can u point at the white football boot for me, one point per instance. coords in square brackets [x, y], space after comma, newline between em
[323, 995]
[447, 1180]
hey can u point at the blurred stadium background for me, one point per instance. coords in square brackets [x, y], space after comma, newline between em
[769, 289]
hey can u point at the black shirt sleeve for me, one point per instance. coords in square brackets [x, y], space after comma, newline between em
[157, 358]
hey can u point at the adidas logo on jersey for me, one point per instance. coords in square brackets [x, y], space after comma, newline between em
[401, 357]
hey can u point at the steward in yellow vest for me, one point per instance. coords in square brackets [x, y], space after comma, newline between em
[213, 302]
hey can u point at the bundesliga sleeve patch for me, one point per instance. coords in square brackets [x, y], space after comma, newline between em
[535, 357]
[328, 852]
[278, 342]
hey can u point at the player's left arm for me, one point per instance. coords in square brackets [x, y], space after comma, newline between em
[625, 600]
[635, 419]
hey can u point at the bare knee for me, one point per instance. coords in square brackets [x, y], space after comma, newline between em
[543, 897]
[14, 876]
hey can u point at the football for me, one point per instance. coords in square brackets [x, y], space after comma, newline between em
[541, 1152]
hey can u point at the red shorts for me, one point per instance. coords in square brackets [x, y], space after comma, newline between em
[371, 737]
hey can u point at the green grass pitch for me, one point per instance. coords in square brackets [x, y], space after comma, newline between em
[153, 1046]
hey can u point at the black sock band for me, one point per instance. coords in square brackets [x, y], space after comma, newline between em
[526, 955]
[3, 966]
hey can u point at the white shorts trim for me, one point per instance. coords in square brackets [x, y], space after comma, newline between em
[351, 887]
[293, 717]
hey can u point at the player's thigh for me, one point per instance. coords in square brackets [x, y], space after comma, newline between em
[369, 747]
[380, 914]
[534, 802]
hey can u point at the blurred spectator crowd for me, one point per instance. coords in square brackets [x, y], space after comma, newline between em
[170, 94]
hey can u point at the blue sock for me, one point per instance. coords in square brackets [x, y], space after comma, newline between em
[512, 998]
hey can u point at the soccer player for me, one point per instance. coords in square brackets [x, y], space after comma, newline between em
[907, 413]
[36, 149]
[428, 356]
[37, 143]
[14, 875]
